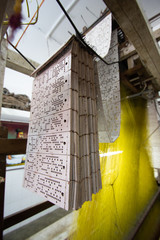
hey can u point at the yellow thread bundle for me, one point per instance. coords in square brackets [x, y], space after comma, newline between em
[128, 183]
[17, 6]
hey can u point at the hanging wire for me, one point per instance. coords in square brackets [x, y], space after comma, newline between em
[79, 36]
[84, 20]
[91, 12]
[20, 52]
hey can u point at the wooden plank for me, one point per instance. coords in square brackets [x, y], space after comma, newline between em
[12, 146]
[131, 61]
[128, 84]
[3, 56]
[129, 50]
[3, 133]
[3, 6]
[134, 79]
[133, 23]
[23, 215]
[144, 81]
[8, 11]
[16, 62]
[133, 70]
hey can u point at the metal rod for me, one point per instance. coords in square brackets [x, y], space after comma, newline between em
[155, 17]
[134, 79]
[70, 20]
[79, 36]
[23, 215]
[21, 54]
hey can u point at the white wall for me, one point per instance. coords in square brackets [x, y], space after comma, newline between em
[18, 198]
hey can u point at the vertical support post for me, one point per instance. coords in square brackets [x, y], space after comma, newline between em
[3, 134]
[6, 7]
[3, 6]
[3, 56]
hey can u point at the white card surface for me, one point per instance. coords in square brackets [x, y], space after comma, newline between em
[62, 161]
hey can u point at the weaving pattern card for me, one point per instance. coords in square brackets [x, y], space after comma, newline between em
[108, 91]
[62, 161]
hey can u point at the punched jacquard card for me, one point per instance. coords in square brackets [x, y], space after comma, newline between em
[62, 161]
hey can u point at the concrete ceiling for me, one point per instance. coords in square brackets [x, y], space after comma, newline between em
[53, 29]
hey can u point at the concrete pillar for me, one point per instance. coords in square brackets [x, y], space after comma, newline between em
[3, 56]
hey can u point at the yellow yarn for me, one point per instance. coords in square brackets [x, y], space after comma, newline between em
[128, 183]
[17, 6]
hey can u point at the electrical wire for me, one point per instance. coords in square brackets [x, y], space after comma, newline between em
[136, 94]
[79, 36]
[91, 12]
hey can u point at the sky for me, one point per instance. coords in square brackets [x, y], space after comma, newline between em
[36, 44]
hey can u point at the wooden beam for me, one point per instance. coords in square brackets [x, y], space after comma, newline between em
[131, 61]
[156, 34]
[3, 132]
[133, 70]
[16, 62]
[8, 11]
[132, 21]
[144, 81]
[11, 220]
[12, 146]
[3, 6]
[126, 83]
[129, 50]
